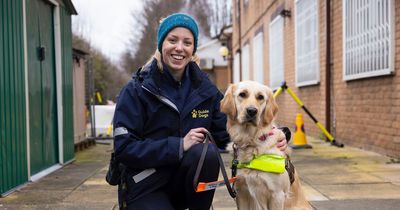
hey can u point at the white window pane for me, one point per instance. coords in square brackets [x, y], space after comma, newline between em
[368, 31]
[258, 61]
[236, 68]
[307, 54]
[245, 62]
[276, 62]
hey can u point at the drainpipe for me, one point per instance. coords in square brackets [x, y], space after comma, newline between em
[328, 67]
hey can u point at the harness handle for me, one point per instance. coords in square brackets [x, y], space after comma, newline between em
[209, 138]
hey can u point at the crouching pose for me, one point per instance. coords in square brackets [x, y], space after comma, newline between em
[159, 122]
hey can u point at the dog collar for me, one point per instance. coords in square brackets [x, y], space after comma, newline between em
[266, 162]
[265, 136]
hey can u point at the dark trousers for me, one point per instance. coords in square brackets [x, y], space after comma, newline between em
[179, 193]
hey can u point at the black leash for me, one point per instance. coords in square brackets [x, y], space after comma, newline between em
[208, 139]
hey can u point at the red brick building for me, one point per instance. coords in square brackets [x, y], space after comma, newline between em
[341, 58]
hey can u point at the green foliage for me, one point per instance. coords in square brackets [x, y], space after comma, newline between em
[211, 16]
[108, 78]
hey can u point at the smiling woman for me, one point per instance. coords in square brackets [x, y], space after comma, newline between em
[177, 51]
[165, 111]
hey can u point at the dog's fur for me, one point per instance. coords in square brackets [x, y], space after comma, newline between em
[251, 108]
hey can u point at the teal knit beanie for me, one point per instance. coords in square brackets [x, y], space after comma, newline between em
[177, 20]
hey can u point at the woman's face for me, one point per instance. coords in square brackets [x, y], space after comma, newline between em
[177, 48]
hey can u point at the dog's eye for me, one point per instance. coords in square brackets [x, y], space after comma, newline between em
[260, 97]
[242, 94]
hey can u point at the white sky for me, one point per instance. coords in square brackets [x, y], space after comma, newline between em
[107, 25]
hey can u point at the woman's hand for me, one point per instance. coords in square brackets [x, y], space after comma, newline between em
[282, 143]
[194, 136]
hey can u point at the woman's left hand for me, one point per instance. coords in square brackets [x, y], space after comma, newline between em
[281, 138]
[282, 144]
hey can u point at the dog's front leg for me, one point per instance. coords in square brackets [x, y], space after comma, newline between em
[277, 201]
[244, 200]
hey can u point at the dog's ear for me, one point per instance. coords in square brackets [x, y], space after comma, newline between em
[270, 110]
[228, 103]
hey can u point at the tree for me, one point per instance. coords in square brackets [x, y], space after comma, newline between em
[142, 48]
[211, 16]
[107, 78]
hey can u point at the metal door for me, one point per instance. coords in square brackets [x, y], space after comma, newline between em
[42, 86]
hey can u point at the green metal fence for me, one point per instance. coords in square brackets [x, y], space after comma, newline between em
[13, 156]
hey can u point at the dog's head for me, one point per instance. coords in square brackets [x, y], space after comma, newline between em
[249, 102]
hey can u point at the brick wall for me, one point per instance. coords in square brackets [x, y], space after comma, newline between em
[221, 73]
[367, 110]
[364, 113]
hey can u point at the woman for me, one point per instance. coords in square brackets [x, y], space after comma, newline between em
[159, 125]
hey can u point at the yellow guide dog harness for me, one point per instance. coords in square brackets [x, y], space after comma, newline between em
[266, 162]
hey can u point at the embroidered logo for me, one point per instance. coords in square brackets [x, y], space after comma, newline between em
[200, 113]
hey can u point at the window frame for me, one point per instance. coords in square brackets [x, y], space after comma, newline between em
[282, 62]
[258, 71]
[236, 68]
[355, 73]
[246, 62]
[316, 64]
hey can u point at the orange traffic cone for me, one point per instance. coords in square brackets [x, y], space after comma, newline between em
[299, 138]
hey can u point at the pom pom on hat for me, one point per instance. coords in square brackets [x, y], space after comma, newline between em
[173, 21]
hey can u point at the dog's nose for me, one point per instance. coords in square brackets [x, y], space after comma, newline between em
[251, 111]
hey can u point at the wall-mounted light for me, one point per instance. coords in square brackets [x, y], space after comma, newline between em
[224, 52]
[285, 13]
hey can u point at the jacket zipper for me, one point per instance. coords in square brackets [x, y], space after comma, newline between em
[169, 103]
[163, 99]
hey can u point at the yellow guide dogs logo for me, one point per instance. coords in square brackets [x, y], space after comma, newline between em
[200, 113]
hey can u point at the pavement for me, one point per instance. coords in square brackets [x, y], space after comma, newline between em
[332, 178]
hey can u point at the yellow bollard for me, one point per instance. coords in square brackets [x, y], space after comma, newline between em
[299, 138]
[109, 129]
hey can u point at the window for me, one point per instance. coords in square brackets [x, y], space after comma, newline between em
[368, 34]
[246, 3]
[258, 61]
[245, 62]
[307, 47]
[237, 9]
[276, 65]
[236, 68]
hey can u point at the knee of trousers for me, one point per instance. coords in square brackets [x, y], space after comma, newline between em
[211, 158]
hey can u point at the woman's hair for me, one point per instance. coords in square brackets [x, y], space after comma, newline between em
[157, 55]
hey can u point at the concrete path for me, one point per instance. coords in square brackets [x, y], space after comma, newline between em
[79, 185]
[333, 178]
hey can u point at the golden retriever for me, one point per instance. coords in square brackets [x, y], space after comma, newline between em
[250, 108]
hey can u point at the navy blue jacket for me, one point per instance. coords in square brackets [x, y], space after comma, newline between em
[153, 127]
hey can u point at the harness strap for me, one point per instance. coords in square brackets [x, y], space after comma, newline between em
[208, 139]
[290, 169]
[235, 161]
